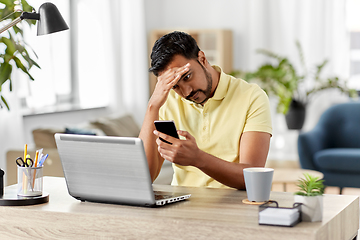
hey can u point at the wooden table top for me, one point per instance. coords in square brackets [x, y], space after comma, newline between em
[208, 214]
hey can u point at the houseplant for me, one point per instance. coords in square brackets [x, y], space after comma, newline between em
[310, 194]
[14, 52]
[293, 90]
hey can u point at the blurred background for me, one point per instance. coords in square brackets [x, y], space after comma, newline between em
[100, 67]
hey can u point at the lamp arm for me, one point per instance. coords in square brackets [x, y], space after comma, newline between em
[13, 23]
[32, 15]
[24, 15]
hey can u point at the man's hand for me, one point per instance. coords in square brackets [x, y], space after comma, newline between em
[166, 81]
[182, 152]
[253, 152]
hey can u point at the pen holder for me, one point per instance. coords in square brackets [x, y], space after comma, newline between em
[30, 181]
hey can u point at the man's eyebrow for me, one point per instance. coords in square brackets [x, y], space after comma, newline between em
[182, 76]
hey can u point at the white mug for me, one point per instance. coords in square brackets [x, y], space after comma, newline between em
[258, 181]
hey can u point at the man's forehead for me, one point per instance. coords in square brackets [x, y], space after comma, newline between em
[178, 61]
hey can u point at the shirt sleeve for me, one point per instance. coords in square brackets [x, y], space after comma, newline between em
[258, 117]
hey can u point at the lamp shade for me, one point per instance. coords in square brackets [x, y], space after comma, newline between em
[50, 20]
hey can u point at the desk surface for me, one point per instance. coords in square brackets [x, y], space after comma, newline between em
[208, 214]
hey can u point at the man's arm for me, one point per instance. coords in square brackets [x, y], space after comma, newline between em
[165, 82]
[254, 147]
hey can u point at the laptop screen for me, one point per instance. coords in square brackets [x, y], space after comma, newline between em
[105, 169]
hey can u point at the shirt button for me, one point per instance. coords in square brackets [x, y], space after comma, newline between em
[204, 128]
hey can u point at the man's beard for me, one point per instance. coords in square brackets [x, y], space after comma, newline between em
[207, 91]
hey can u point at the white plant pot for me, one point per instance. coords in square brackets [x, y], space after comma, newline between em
[312, 208]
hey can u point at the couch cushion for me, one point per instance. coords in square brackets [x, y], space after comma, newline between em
[79, 131]
[44, 137]
[124, 126]
[338, 160]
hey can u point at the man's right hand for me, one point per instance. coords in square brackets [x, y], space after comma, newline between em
[166, 81]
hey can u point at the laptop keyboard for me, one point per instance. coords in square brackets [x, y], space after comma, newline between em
[161, 196]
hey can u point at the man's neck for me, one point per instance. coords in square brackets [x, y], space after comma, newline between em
[216, 78]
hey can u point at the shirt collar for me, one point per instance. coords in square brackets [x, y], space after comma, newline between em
[223, 85]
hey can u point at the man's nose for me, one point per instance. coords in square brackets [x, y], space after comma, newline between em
[185, 89]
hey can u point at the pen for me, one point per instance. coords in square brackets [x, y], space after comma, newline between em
[36, 158]
[40, 155]
[42, 160]
[35, 165]
[25, 152]
[24, 179]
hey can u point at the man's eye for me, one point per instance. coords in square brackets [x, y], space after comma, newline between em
[187, 77]
[175, 86]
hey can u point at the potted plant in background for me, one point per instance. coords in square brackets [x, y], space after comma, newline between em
[281, 79]
[311, 196]
[14, 52]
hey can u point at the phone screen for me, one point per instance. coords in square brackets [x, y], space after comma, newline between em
[167, 127]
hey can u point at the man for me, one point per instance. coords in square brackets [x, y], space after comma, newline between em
[224, 122]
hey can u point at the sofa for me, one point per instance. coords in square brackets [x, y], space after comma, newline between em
[333, 146]
[122, 126]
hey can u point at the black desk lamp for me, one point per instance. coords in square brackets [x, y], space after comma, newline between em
[49, 20]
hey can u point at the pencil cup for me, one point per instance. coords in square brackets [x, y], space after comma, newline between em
[30, 181]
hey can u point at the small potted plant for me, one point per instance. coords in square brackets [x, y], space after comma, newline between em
[311, 196]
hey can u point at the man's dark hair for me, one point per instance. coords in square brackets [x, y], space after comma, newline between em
[169, 45]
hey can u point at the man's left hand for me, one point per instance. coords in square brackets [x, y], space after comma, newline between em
[182, 152]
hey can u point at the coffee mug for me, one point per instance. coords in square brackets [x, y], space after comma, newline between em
[258, 182]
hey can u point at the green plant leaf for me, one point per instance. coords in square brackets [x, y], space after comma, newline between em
[18, 30]
[27, 57]
[26, 7]
[4, 101]
[301, 56]
[5, 72]
[7, 2]
[10, 45]
[20, 65]
[319, 69]
[310, 186]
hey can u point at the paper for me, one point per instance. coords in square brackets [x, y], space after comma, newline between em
[279, 216]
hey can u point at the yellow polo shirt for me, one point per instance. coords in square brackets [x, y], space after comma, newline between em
[236, 107]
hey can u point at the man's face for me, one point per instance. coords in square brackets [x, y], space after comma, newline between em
[196, 84]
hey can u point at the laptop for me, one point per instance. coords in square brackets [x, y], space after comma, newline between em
[109, 170]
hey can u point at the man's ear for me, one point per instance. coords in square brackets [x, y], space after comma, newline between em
[202, 59]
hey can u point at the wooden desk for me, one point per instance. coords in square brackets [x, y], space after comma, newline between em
[208, 214]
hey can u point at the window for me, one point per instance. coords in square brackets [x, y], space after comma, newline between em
[52, 83]
[353, 22]
[74, 64]
[92, 48]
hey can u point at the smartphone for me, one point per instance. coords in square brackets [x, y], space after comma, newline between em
[168, 127]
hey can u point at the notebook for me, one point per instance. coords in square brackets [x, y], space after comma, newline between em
[109, 170]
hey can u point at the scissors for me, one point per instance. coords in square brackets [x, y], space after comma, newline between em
[28, 163]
